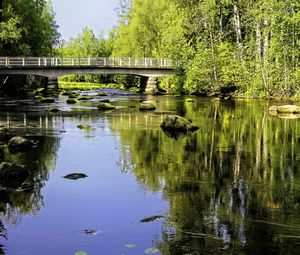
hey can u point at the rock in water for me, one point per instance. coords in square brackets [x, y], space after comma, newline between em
[85, 127]
[177, 123]
[71, 101]
[75, 176]
[12, 175]
[105, 106]
[147, 107]
[20, 144]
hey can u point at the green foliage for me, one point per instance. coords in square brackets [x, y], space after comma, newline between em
[250, 44]
[27, 27]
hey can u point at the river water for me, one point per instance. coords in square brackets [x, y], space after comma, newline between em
[232, 187]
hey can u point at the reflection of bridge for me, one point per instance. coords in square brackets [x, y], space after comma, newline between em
[53, 67]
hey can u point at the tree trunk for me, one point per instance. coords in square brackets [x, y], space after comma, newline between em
[265, 48]
[237, 25]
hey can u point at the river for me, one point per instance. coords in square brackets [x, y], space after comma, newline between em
[231, 187]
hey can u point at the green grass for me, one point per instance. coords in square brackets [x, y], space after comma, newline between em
[87, 85]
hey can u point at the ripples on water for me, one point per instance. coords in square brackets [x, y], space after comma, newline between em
[232, 187]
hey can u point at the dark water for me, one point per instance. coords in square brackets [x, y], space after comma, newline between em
[232, 187]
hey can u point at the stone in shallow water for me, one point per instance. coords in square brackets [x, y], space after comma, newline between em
[75, 176]
[147, 107]
[85, 127]
[93, 232]
[47, 100]
[53, 110]
[105, 106]
[150, 219]
[177, 123]
[71, 101]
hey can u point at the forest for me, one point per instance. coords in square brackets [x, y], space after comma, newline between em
[249, 45]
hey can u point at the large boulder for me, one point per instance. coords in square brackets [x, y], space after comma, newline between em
[12, 175]
[20, 144]
[174, 123]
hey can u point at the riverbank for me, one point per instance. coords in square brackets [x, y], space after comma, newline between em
[231, 92]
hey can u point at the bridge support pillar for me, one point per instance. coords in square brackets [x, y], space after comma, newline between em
[51, 85]
[151, 87]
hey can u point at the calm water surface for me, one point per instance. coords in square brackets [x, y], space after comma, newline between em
[232, 187]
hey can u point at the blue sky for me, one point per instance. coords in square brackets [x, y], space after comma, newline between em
[74, 15]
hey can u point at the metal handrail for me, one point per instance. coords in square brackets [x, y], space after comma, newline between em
[100, 62]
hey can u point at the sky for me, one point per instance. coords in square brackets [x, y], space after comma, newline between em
[74, 15]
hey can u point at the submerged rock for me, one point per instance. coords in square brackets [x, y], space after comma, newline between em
[147, 107]
[150, 219]
[20, 144]
[105, 106]
[93, 232]
[12, 175]
[75, 176]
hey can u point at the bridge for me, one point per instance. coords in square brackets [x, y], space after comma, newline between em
[53, 67]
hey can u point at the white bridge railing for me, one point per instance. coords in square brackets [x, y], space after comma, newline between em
[101, 62]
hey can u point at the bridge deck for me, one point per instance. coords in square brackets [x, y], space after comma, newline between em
[101, 62]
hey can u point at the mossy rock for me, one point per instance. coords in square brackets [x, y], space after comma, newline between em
[288, 109]
[53, 110]
[177, 123]
[71, 101]
[102, 94]
[47, 100]
[147, 107]
[66, 93]
[85, 127]
[105, 107]
[39, 91]
[84, 98]
[38, 97]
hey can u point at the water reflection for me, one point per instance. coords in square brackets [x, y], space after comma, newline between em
[27, 199]
[233, 186]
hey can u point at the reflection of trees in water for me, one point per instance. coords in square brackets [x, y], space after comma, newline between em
[241, 166]
[15, 203]
[3, 234]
